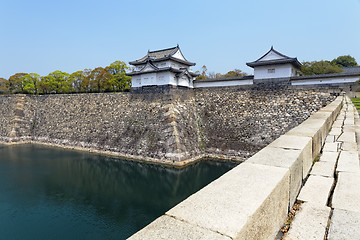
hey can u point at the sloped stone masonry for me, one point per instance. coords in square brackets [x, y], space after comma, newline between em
[168, 126]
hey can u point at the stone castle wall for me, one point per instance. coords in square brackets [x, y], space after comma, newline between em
[167, 126]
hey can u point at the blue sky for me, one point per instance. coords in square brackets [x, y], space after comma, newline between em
[69, 35]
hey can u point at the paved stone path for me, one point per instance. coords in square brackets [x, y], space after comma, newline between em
[331, 194]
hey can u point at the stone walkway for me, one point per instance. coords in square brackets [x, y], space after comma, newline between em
[331, 193]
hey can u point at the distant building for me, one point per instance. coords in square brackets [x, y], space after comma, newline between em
[275, 65]
[162, 67]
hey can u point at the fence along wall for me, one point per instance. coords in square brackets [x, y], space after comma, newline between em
[252, 200]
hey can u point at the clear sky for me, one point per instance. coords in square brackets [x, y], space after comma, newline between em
[39, 36]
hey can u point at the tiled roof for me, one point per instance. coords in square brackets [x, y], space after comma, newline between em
[330, 75]
[285, 59]
[161, 55]
[351, 70]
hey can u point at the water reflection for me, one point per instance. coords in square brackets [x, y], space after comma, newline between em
[55, 193]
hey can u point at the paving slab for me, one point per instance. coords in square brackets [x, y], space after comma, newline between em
[347, 192]
[348, 162]
[347, 137]
[329, 157]
[331, 147]
[289, 159]
[335, 131]
[349, 121]
[316, 190]
[344, 225]
[297, 142]
[330, 138]
[325, 169]
[166, 227]
[338, 124]
[248, 202]
[349, 128]
[309, 223]
[349, 146]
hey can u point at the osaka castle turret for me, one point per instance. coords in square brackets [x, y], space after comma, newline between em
[162, 67]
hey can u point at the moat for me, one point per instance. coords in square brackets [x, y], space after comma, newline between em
[51, 193]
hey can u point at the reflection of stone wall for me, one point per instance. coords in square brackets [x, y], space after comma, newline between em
[166, 126]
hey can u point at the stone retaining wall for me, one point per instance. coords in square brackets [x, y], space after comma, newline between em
[251, 201]
[169, 126]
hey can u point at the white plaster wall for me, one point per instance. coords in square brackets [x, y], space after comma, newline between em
[173, 79]
[223, 83]
[163, 78]
[179, 55]
[271, 56]
[183, 81]
[334, 80]
[281, 71]
[136, 81]
[148, 79]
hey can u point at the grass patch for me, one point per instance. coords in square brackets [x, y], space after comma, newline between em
[356, 102]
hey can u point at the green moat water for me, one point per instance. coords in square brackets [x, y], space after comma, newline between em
[51, 193]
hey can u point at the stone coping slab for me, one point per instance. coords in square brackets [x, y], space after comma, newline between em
[325, 169]
[331, 147]
[347, 137]
[248, 202]
[347, 192]
[344, 225]
[349, 146]
[302, 143]
[329, 157]
[166, 228]
[316, 190]
[285, 158]
[348, 162]
[309, 223]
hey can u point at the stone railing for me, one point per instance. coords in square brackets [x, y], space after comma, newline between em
[252, 200]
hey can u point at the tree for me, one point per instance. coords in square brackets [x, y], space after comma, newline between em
[4, 86]
[16, 84]
[76, 80]
[319, 67]
[55, 82]
[235, 73]
[30, 82]
[118, 80]
[99, 80]
[203, 74]
[344, 61]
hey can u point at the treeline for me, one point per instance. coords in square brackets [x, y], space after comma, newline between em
[326, 67]
[204, 74]
[109, 79]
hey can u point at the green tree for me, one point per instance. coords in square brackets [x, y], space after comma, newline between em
[4, 86]
[99, 80]
[16, 84]
[118, 80]
[30, 82]
[319, 67]
[344, 61]
[235, 73]
[55, 82]
[76, 80]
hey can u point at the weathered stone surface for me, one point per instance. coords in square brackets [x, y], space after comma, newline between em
[335, 131]
[329, 157]
[166, 228]
[344, 225]
[348, 162]
[331, 147]
[279, 157]
[349, 146]
[347, 192]
[309, 223]
[330, 138]
[325, 169]
[297, 142]
[230, 206]
[316, 190]
[347, 137]
[168, 125]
